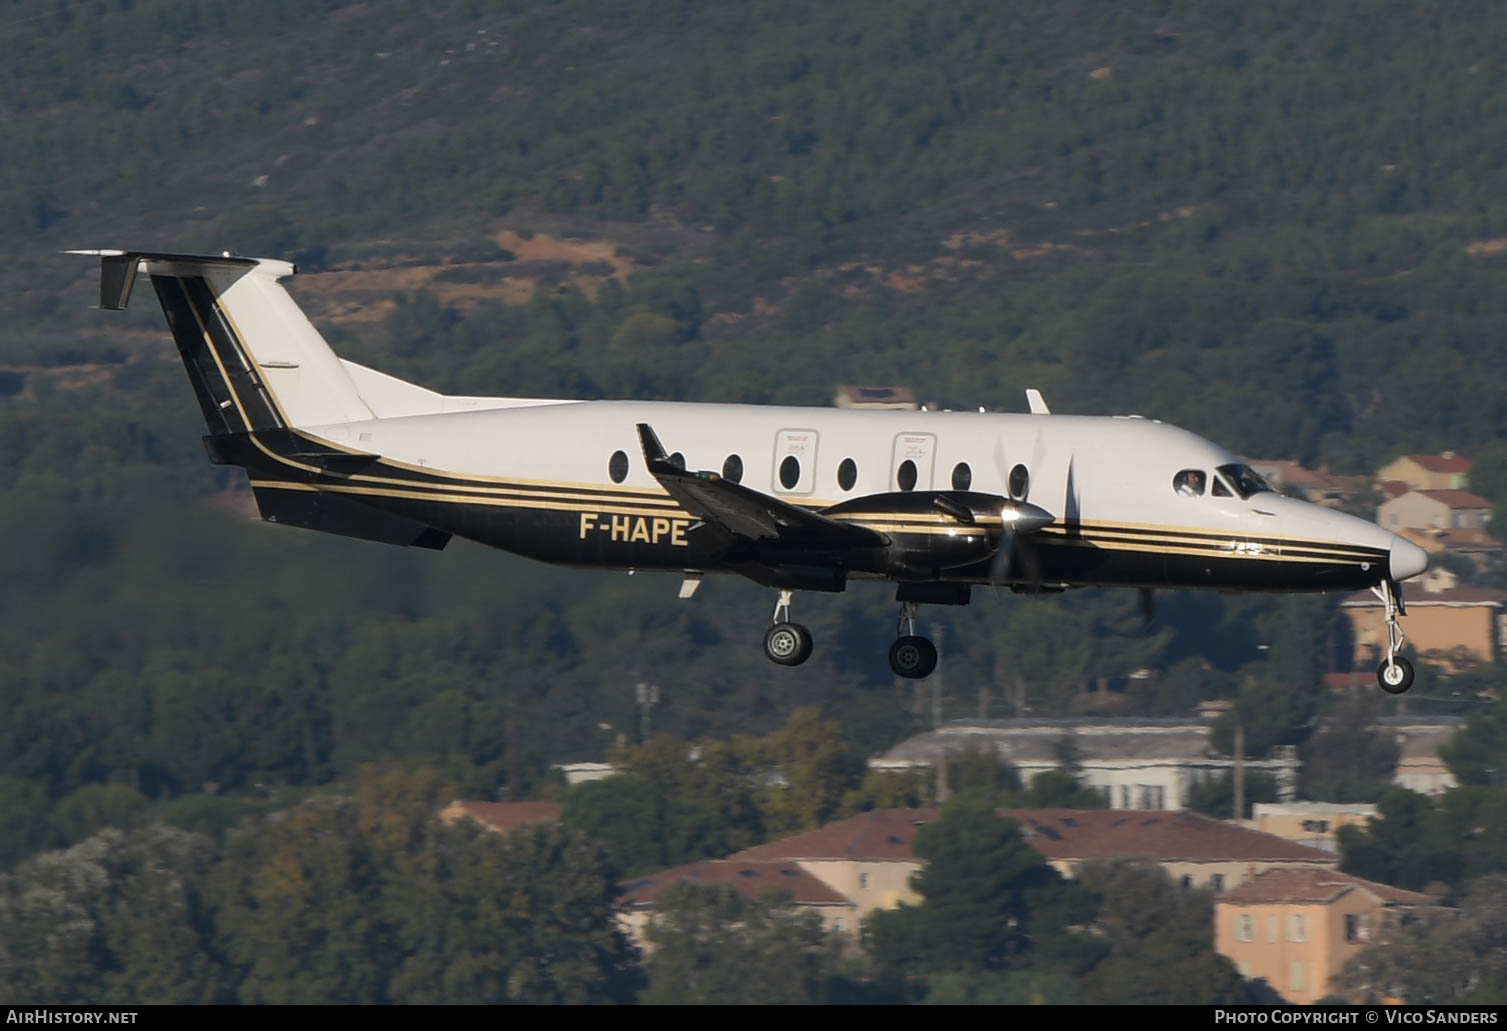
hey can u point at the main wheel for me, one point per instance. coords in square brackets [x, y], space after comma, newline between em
[788, 644]
[1395, 676]
[913, 657]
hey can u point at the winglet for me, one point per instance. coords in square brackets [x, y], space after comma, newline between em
[654, 451]
[1038, 406]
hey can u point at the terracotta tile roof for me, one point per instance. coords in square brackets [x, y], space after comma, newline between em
[1313, 885]
[503, 816]
[1395, 488]
[1074, 834]
[879, 834]
[1457, 498]
[1067, 834]
[1445, 463]
[752, 877]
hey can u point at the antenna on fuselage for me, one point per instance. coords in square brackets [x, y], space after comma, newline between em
[1038, 406]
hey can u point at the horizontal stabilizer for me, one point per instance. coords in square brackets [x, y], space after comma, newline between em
[298, 505]
[117, 272]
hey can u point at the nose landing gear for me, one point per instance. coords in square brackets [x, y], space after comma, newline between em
[1395, 674]
[786, 643]
[911, 656]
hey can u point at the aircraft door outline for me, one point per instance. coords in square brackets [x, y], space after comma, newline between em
[800, 477]
[920, 450]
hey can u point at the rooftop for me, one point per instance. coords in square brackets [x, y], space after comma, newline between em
[1314, 885]
[1448, 462]
[1065, 834]
[502, 816]
[752, 877]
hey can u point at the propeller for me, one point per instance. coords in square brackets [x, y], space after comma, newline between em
[1014, 557]
[1148, 607]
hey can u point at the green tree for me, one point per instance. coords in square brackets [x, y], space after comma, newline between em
[1349, 759]
[640, 827]
[1216, 796]
[1158, 940]
[1441, 957]
[715, 946]
[1407, 843]
[989, 901]
[121, 918]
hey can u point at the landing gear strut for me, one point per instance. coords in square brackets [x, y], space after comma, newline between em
[786, 643]
[1395, 674]
[911, 656]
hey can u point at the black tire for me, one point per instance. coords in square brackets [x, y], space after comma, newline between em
[788, 644]
[1395, 676]
[913, 657]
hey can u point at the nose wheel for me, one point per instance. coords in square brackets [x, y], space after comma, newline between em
[911, 656]
[786, 643]
[1395, 674]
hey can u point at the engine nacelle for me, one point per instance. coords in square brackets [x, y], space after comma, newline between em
[931, 531]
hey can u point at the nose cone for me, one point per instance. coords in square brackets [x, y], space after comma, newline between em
[1408, 559]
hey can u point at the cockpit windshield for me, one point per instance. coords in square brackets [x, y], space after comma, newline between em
[1244, 479]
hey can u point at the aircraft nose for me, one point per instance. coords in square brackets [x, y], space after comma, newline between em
[1408, 559]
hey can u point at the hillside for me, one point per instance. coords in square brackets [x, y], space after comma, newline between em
[1282, 227]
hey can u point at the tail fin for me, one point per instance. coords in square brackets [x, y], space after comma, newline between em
[253, 357]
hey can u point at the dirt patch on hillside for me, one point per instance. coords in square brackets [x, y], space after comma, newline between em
[363, 293]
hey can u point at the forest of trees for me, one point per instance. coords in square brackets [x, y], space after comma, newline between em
[1280, 226]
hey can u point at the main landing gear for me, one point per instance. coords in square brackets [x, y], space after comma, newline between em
[911, 656]
[786, 643]
[1395, 674]
[789, 644]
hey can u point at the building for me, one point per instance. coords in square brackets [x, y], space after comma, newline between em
[1137, 763]
[754, 878]
[1196, 851]
[1446, 623]
[502, 816]
[1319, 486]
[866, 862]
[1435, 510]
[1310, 823]
[1447, 471]
[902, 398]
[1419, 766]
[1296, 927]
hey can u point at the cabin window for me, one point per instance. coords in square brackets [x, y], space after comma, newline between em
[1244, 479]
[905, 476]
[847, 474]
[1220, 489]
[1189, 483]
[617, 466]
[677, 460]
[962, 476]
[1020, 483]
[732, 469]
[790, 472]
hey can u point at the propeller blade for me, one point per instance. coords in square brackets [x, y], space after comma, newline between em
[1148, 607]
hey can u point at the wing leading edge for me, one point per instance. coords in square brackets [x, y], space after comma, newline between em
[747, 513]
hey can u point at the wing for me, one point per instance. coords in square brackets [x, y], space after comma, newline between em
[748, 513]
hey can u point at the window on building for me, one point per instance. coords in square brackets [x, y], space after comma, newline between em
[1124, 796]
[1245, 927]
[1217, 882]
[1271, 929]
[1297, 977]
[1356, 930]
[1316, 826]
[863, 880]
[1187, 881]
[1297, 928]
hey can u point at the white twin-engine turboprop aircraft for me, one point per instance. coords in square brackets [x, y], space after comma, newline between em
[792, 498]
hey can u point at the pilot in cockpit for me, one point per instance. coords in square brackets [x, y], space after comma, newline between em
[1189, 483]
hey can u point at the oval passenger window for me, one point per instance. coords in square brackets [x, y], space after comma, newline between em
[962, 476]
[905, 476]
[617, 467]
[847, 474]
[790, 472]
[1020, 483]
[732, 469]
